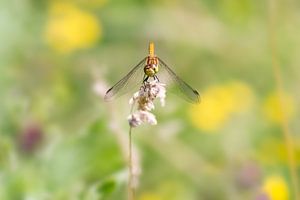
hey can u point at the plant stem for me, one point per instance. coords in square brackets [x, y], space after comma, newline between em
[131, 191]
[289, 145]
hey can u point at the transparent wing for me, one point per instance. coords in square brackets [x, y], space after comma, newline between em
[180, 87]
[132, 80]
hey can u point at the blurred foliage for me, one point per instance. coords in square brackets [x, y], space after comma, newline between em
[60, 140]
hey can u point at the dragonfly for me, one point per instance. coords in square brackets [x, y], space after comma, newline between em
[153, 67]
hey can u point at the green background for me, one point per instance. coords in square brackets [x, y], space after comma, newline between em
[60, 140]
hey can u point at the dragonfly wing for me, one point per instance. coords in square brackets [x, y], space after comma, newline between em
[180, 87]
[132, 80]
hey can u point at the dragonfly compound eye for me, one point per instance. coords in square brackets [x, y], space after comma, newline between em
[155, 68]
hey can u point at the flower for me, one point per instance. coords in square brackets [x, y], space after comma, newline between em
[140, 116]
[70, 28]
[276, 109]
[92, 3]
[272, 151]
[31, 138]
[144, 98]
[219, 105]
[276, 188]
[248, 175]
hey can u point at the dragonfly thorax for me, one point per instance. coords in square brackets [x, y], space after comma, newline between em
[151, 67]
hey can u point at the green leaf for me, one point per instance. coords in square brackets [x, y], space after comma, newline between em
[107, 187]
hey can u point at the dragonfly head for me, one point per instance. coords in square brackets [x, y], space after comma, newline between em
[151, 67]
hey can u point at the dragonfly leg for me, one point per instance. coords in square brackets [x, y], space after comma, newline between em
[155, 78]
[145, 79]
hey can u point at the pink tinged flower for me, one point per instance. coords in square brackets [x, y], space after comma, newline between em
[31, 138]
[144, 98]
[149, 106]
[133, 98]
[134, 120]
[161, 93]
[140, 117]
[148, 117]
[249, 175]
[262, 196]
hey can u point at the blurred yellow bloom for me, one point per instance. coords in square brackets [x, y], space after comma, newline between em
[276, 188]
[92, 3]
[272, 151]
[150, 196]
[272, 107]
[219, 103]
[69, 28]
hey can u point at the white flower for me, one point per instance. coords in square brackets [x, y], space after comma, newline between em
[134, 120]
[140, 117]
[147, 117]
[161, 93]
[144, 98]
[133, 98]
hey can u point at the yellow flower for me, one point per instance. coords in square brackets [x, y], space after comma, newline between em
[272, 151]
[276, 188]
[218, 105]
[273, 109]
[70, 28]
[92, 3]
[150, 196]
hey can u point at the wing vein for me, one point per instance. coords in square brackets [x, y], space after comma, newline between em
[190, 94]
[122, 84]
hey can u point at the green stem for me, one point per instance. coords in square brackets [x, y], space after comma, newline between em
[131, 190]
[288, 139]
